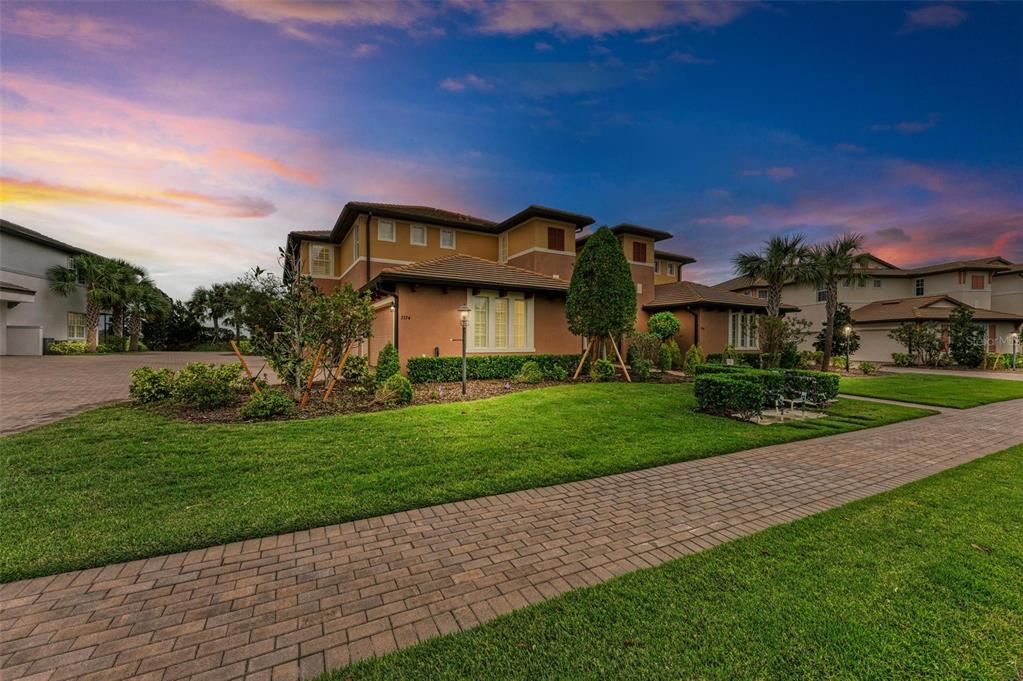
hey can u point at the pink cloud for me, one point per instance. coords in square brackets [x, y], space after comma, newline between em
[469, 81]
[314, 12]
[726, 220]
[933, 16]
[365, 50]
[85, 31]
[776, 173]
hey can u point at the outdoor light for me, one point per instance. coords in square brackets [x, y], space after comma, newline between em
[1015, 339]
[847, 330]
[463, 316]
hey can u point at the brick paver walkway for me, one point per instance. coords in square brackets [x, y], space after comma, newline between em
[38, 390]
[293, 605]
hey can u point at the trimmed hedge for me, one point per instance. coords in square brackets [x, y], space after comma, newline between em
[820, 387]
[730, 394]
[751, 359]
[483, 367]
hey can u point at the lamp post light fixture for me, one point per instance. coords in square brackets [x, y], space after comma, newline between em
[847, 332]
[463, 316]
[1015, 339]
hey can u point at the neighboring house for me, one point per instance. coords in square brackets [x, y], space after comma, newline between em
[30, 314]
[986, 285]
[423, 263]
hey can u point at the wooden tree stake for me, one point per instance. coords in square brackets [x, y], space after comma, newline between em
[340, 368]
[312, 377]
[582, 359]
[245, 365]
[620, 360]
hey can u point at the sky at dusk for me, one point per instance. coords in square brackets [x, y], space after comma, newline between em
[192, 137]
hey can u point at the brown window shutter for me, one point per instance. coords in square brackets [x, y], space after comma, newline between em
[978, 282]
[638, 251]
[555, 239]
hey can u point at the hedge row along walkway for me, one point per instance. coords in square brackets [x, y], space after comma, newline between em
[294, 605]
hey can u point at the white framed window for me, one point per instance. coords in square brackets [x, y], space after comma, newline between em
[417, 235]
[918, 287]
[502, 248]
[742, 330]
[822, 293]
[639, 288]
[501, 322]
[385, 230]
[75, 325]
[762, 294]
[877, 283]
[447, 238]
[321, 260]
[657, 266]
[671, 269]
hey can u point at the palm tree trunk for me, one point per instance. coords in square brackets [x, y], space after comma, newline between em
[830, 308]
[91, 325]
[216, 329]
[117, 321]
[135, 329]
[773, 300]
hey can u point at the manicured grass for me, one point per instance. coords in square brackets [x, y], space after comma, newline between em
[115, 483]
[940, 391]
[920, 582]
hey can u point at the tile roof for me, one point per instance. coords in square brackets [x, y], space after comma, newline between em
[535, 211]
[423, 213]
[922, 308]
[691, 294]
[629, 228]
[468, 270]
[676, 257]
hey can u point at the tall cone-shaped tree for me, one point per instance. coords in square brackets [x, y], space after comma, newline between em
[601, 296]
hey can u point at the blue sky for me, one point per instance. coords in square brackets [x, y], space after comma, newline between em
[191, 137]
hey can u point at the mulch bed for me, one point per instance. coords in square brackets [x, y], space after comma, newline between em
[344, 401]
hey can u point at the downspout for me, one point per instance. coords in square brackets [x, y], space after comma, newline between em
[696, 327]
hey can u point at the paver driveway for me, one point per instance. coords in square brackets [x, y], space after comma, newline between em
[37, 390]
[295, 604]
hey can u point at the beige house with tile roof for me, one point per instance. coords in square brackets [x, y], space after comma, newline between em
[891, 295]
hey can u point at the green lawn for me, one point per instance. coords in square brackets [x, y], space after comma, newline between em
[920, 582]
[116, 483]
[940, 391]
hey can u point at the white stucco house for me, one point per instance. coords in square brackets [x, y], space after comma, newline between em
[30, 314]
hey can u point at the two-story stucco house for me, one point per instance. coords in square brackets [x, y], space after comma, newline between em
[30, 315]
[890, 295]
[423, 263]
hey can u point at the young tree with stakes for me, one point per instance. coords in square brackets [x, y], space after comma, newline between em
[601, 302]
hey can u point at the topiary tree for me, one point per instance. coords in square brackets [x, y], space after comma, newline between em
[664, 324]
[965, 338]
[601, 296]
[388, 363]
[694, 358]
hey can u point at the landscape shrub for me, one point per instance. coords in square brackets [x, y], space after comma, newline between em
[356, 369]
[730, 353]
[676, 354]
[113, 344]
[68, 347]
[641, 369]
[700, 369]
[664, 358]
[810, 359]
[694, 357]
[838, 362]
[150, 385]
[529, 373]
[750, 359]
[206, 386]
[388, 363]
[664, 325]
[868, 368]
[735, 394]
[820, 387]
[902, 359]
[644, 346]
[966, 338]
[483, 367]
[554, 372]
[789, 358]
[395, 390]
[267, 404]
[604, 370]
[995, 360]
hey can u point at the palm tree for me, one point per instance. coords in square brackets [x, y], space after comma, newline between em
[126, 274]
[142, 301]
[838, 260]
[238, 294]
[99, 276]
[210, 303]
[780, 262]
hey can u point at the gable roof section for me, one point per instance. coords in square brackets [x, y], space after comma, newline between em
[470, 271]
[994, 262]
[690, 294]
[435, 216]
[922, 308]
[8, 227]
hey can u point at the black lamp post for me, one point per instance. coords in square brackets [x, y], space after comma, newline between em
[847, 331]
[1015, 339]
[463, 315]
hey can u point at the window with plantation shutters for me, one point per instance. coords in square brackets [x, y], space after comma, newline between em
[555, 239]
[638, 251]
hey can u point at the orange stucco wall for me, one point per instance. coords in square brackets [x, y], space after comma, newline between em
[551, 264]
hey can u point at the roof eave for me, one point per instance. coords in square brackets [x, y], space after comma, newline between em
[453, 281]
[534, 211]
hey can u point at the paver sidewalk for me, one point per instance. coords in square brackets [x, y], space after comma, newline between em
[294, 605]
